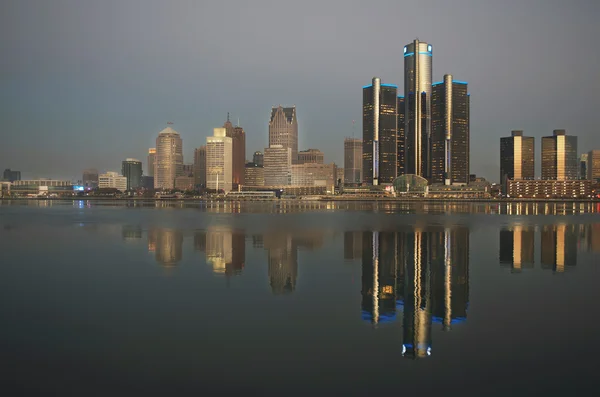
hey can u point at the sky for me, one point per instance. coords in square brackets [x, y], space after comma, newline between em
[86, 84]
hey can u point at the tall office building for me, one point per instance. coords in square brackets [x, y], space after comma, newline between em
[219, 161]
[417, 101]
[169, 159]
[449, 132]
[583, 166]
[517, 158]
[238, 141]
[380, 123]
[277, 166]
[132, 170]
[255, 175]
[311, 156]
[353, 153]
[200, 166]
[283, 129]
[151, 161]
[559, 157]
[90, 178]
[401, 162]
[258, 158]
[593, 166]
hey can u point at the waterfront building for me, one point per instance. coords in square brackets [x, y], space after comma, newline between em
[238, 150]
[168, 159]
[42, 186]
[559, 157]
[311, 156]
[200, 166]
[449, 132]
[517, 158]
[113, 180]
[90, 178]
[313, 174]
[593, 166]
[277, 165]
[219, 161]
[583, 166]
[151, 161]
[353, 153]
[254, 175]
[184, 182]
[418, 58]
[11, 176]
[258, 159]
[283, 129]
[380, 123]
[568, 188]
[132, 170]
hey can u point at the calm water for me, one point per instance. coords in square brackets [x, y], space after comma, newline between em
[298, 299]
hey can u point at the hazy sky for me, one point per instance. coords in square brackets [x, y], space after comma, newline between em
[88, 83]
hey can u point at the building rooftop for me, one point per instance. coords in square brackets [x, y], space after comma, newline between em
[168, 130]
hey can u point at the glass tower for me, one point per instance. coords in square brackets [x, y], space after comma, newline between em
[559, 157]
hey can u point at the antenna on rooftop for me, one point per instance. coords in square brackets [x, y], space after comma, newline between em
[227, 116]
[353, 129]
[169, 123]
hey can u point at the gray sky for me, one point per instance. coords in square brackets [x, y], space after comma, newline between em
[88, 83]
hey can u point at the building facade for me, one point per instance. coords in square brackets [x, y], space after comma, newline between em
[132, 170]
[168, 159]
[312, 174]
[277, 165]
[546, 188]
[255, 175]
[418, 58]
[559, 157]
[90, 178]
[258, 159]
[583, 166]
[593, 166]
[238, 141]
[219, 161]
[151, 161]
[449, 142]
[112, 180]
[401, 162]
[283, 129]
[353, 153]
[200, 166]
[380, 123]
[11, 176]
[517, 158]
[311, 156]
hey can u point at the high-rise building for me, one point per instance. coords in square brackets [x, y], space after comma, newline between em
[151, 161]
[401, 162]
[90, 178]
[417, 101]
[255, 175]
[200, 166]
[380, 123]
[132, 170]
[583, 166]
[258, 159]
[593, 166]
[168, 160]
[283, 129]
[112, 180]
[353, 153]
[219, 161]
[517, 158]
[278, 165]
[449, 132]
[238, 141]
[311, 156]
[11, 176]
[559, 157]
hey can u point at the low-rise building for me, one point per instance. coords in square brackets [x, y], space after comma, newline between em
[569, 188]
[112, 180]
[42, 187]
[312, 174]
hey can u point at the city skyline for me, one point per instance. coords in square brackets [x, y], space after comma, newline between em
[89, 86]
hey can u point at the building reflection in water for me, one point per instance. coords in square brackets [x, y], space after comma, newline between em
[423, 273]
[353, 245]
[225, 249]
[559, 247]
[517, 247]
[167, 245]
[131, 232]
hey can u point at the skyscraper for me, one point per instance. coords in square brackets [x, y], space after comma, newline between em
[258, 159]
[559, 157]
[593, 166]
[238, 140]
[417, 101]
[219, 161]
[517, 158]
[278, 166]
[151, 160]
[132, 170]
[353, 153]
[449, 132]
[200, 166]
[283, 129]
[401, 162]
[169, 159]
[583, 166]
[380, 123]
[90, 178]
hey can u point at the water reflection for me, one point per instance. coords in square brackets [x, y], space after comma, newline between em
[167, 245]
[225, 249]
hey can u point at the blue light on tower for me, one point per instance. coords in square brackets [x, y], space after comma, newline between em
[429, 48]
[405, 50]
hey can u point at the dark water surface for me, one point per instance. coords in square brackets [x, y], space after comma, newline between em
[102, 298]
